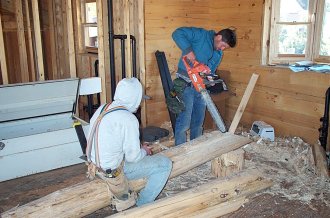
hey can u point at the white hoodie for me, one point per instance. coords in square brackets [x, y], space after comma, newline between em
[118, 134]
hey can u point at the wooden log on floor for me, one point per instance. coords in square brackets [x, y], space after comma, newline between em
[85, 198]
[201, 199]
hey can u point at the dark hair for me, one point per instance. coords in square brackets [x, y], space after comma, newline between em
[228, 36]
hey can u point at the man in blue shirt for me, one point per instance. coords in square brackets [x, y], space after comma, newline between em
[204, 46]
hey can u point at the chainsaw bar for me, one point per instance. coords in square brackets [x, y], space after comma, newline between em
[213, 111]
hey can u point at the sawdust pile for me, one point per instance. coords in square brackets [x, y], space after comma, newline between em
[287, 161]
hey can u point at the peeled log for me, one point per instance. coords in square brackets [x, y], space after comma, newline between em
[85, 198]
[204, 200]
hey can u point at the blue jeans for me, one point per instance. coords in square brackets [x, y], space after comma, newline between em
[156, 169]
[191, 118]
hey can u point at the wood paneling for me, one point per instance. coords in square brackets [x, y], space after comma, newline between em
[291, 102]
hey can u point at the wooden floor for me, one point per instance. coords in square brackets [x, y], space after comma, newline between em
[23, 190]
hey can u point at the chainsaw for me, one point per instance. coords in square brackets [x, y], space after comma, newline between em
[198, 74]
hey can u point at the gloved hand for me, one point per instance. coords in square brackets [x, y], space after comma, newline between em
[147, 148]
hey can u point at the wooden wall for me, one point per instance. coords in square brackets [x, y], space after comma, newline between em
[291, 102]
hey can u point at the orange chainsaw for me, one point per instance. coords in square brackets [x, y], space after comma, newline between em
[195, 71]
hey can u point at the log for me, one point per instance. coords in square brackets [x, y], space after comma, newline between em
[202, 199]
[228, 163]
[84, 198]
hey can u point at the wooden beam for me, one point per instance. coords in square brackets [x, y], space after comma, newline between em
[4, 71]
[30, 41]
[141, 58]
[128, 40]
[87, 197]
[192, 201]
[52, 40]
[72, 53]
[23, 59]
[80, 20]
[38, 40]
[244, 101]
[100, 38]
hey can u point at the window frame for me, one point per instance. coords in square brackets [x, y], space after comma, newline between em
[270, 55]
[84, 25]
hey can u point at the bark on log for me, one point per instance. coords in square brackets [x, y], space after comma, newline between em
[85, 198]
[200, 199]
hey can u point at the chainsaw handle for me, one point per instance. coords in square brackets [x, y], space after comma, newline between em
[186, 61]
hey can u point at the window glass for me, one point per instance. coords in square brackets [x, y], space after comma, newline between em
[325, 36]
[294, 11]
[91, 15]
[292, 39]
[91, 37]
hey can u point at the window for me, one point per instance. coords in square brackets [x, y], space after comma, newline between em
[89, 25]
[296, 30]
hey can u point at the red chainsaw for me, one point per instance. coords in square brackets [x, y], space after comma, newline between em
[196, 71]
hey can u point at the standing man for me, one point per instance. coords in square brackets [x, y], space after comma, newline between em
[115, 152]
[206, 47]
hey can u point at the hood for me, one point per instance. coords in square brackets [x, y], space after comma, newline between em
[128, 94]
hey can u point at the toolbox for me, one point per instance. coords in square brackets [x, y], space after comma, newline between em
[36, 127]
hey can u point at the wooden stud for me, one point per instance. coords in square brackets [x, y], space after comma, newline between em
[79, 26]
[141, 57]
[30, 40]
[128, 40]
[37, 36]
[53, 52]
[4, 71]
[100, 38]
[72, 53]
[21, 42]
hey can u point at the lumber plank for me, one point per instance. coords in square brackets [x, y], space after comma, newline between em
[100, 50]
[21, 42]
[30, 41]
[128, 40]
[38, 40]
[87, 197]
[72, 53]
[191, 201]
[4, 71]
[243, 103]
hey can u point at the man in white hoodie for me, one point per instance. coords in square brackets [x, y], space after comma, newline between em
[117, 136]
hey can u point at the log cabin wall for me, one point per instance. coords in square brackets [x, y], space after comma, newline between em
[291, 102]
